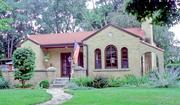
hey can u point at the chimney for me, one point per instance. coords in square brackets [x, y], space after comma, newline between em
[147, 27]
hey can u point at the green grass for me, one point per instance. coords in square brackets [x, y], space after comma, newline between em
[125, 96]
[23, 96]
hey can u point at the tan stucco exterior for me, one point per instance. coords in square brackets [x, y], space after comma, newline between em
[39, 63]
[119, 39]
[108, 36]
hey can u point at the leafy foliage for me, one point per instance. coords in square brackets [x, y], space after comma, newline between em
[44, 84]
[115, 82]
[1, 75]
[100, 82]
[83, 81]
[73, 86]
[160, 11]
[164, 39]
[3, 83]
[24, 63]
[167, 79]
[4, 22]
[25, 86]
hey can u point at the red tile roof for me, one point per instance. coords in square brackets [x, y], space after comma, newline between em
[135, 31]
[69, 38]
[63, 38]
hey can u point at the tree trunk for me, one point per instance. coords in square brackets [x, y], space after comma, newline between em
[11, 47]
[23, 83]
[8, 48]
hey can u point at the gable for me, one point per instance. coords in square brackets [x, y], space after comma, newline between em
[136, 32]
[110, 35]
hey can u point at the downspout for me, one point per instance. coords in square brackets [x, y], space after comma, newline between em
[87, 68]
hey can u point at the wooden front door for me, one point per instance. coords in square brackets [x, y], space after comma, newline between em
[65, 64]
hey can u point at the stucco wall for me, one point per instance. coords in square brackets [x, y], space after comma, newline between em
[119, 39]
[38, 76]
[160, 54]
[39, 62]
[55, 58]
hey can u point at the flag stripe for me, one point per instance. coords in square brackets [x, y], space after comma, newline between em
[76, 52]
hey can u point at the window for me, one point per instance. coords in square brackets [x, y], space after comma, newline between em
[98, 64]
[111, 57]
[124, 58]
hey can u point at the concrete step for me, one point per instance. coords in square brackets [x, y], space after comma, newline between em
[60, 82]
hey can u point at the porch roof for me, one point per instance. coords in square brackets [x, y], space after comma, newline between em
[69, 38]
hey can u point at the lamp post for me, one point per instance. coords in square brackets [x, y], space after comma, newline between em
[70, 72]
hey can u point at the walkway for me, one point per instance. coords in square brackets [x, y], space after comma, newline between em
[58, 96]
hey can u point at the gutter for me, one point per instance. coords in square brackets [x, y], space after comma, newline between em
[87, 62]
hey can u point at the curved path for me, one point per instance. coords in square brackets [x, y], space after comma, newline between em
[58, 96]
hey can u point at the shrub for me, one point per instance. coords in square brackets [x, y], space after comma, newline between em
[24, 63]
[114, 82]
[3, 83]
[84, 81]
[169, 78]
[130, 80]
[100, 82]
[25, 86]
[1, 73]
[72, 86]
[44, 84]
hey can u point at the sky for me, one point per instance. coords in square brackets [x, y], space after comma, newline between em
[176, 30]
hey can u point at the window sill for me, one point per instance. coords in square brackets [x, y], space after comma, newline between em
[112, 70]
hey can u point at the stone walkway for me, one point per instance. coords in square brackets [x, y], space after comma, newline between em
[58, 96]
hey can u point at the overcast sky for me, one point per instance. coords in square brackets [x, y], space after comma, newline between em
[176, 30]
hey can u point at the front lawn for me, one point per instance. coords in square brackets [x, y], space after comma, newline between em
[126, 96]
[23, 96]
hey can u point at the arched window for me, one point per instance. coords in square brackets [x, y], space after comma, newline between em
[111, 57]
[98, 64]
[124, 58]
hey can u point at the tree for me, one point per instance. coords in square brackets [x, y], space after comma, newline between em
[62, 16]
[4, 22]
[108, 11]
[24, 63]
[23, 13]
[165, 40]
[162, 12]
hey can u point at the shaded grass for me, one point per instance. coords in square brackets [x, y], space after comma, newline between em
[125, 96]
[23, 96]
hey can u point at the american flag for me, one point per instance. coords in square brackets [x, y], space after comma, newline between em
[76, 52]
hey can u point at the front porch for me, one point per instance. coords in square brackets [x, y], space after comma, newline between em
[60, 57]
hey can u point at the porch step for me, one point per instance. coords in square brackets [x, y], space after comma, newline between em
[60, 82]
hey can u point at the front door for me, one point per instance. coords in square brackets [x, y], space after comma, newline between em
[65, 64]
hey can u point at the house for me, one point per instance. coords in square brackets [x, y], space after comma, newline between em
[6, 64]
[110, 51]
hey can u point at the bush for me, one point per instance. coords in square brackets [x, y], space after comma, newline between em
[72, 86]
[169, 78]
[114, 82]
[130, 80]
[84, 81]
[3, 83]
[100, 82]
[25, 86]
[24, 63]
[44, 84]
[1, 73]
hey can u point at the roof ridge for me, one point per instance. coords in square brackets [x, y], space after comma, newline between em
[61, 33]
